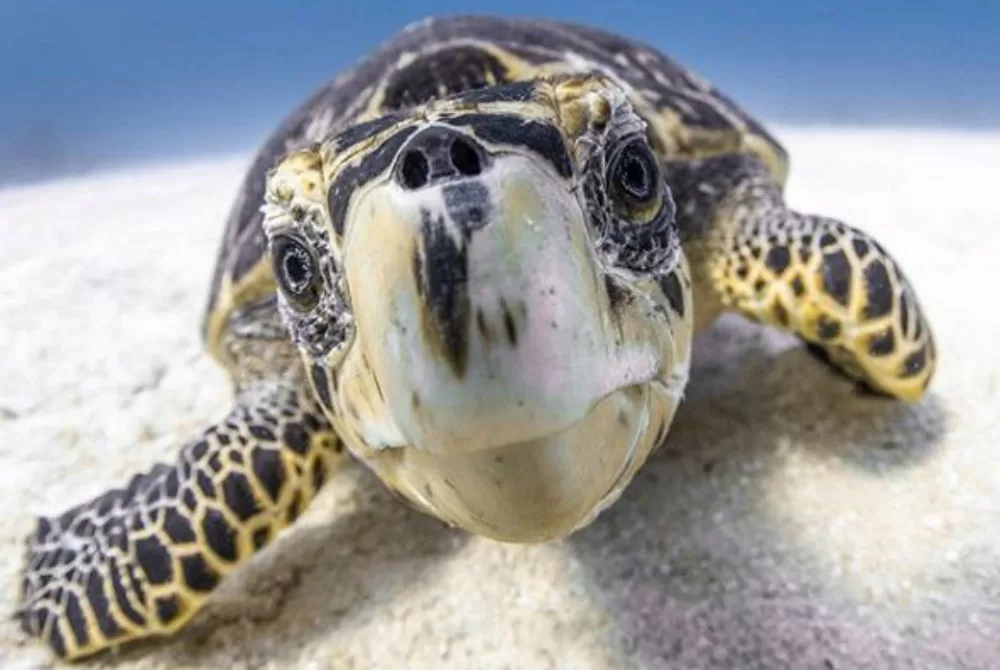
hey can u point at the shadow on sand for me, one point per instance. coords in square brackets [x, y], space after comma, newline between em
[690, 563]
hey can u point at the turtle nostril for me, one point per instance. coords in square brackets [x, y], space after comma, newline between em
[438, 155]
[415, 170]
[464, 158]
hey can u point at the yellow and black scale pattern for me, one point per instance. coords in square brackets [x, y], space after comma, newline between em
[828, 282]
[139, 561]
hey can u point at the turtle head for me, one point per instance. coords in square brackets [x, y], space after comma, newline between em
[491, 295]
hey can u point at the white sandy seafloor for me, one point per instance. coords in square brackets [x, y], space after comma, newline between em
[787, 523]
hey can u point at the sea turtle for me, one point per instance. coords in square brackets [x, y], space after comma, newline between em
[477, 260]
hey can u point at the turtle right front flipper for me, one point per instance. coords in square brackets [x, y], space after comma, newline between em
[831, 284]
[141, 560]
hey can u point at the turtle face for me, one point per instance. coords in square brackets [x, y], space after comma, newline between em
[493, 301]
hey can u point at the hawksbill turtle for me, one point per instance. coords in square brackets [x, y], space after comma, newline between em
[475, 262]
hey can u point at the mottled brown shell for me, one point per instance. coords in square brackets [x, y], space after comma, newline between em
[688, 118]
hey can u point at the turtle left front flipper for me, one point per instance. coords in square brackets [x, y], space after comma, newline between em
[139, 561]
[830, 283]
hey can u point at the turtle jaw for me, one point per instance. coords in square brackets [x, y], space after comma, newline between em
[487, 322]
[543, 488]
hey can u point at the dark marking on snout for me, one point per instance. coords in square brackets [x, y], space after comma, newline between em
[616, 294]
[484, 327]
[468, 205]
[441, 277]
[541, 138]
[378, 387]
[377, 162]
[509, 324]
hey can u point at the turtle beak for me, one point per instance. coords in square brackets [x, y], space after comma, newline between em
[480, 307]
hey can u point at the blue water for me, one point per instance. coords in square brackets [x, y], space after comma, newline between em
[98, 82]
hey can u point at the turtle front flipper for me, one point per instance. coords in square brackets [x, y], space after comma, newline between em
[141, 560]
[831, 284]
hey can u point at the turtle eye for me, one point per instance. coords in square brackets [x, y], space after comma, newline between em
[297, 271]
[634, 176]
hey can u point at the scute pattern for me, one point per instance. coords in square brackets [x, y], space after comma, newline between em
[451, 69]
[135, 561]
